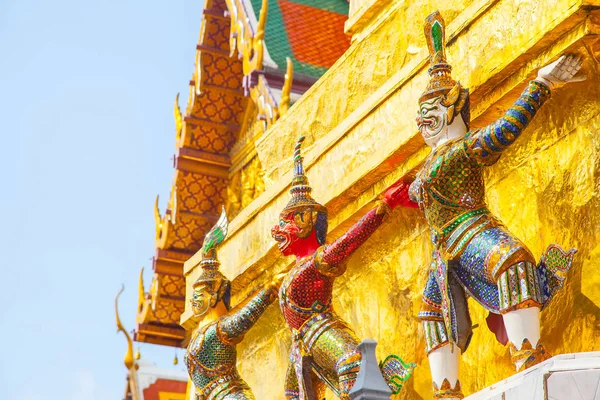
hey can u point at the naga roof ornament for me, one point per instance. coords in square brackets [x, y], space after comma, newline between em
[128, 360]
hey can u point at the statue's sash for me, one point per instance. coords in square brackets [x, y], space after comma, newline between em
[440, 269]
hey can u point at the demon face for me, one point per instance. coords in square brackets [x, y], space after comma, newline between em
[293, 226]
[201, 300]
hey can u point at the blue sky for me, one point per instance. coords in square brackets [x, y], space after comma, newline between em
[86, 122]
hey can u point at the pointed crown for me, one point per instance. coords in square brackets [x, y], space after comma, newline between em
[441, 82]
[300, 191]
[210, 264]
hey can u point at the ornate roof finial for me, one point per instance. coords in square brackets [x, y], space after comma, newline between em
[129, 355]
[178, 119]
[287, 87]
[261, 24]
[141, 290]
[158, 220]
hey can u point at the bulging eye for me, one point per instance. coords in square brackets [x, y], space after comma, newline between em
[423, 112]
[281, 223]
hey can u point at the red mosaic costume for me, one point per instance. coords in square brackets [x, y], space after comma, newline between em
[307, 289]
[325, 348]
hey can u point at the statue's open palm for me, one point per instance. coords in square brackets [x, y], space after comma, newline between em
[561, 71]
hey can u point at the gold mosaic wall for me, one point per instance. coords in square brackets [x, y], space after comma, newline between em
[546, 188]
[246, 174]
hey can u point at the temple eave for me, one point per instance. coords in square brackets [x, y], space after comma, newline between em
[195, 120]
[171, 335]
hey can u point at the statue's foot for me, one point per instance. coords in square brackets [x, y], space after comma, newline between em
[527, 356]
[395, 372]
[555, 263]
[446, 391]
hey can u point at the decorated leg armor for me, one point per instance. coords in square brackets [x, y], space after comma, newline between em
[524, 290]
[444, 352]
[332, 348]
[347, 368]
[521, 298]
[443, 360]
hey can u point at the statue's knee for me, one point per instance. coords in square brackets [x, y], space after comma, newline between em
[519, 286]
[436, 335]
[347, 368]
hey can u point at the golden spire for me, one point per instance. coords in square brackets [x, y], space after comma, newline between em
[141, 290]
[260, 26]
[253, 46]
[129, 355]
[173, 205]
[178, 119]
[287, 87]
[157, 219]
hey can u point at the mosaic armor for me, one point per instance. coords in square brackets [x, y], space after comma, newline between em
[475, 254]
[305, 298]
[211, 355]
[324, 349]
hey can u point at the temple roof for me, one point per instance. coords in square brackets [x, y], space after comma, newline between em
[310, 32]
[205, 131]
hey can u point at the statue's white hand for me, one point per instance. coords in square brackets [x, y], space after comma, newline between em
[561, 71]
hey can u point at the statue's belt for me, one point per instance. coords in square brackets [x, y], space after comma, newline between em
[317, 307]
[314, 327]
[456, 234]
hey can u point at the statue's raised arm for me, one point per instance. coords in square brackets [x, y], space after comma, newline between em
[324, 349]
[239, 320]
[486, 145]
[211, 354]
[331, 259]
